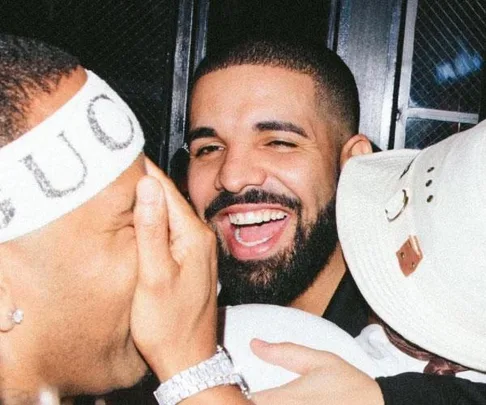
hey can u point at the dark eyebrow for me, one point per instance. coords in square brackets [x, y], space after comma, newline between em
[201, 132]
[280, 126]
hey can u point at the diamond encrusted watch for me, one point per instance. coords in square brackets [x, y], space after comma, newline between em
[215, 371]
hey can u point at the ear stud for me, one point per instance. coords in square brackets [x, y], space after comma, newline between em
[17, 316]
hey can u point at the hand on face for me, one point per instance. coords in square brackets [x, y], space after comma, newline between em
[173, 317]
[325, 378]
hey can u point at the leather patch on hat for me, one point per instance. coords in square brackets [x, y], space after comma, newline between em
[409, 255]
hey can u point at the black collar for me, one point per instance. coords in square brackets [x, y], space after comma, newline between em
[347, 308]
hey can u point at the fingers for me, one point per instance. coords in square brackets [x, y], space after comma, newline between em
[176, 203]
[187, 231]
[296, 358]
[271, 397]
[174, 306]
[152, 231]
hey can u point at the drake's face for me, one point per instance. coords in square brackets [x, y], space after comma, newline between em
[263, 168]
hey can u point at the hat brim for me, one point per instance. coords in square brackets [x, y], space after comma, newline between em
[370, 248]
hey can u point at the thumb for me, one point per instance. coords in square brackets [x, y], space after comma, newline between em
[180, 214]
[293, 357]
[152, 232]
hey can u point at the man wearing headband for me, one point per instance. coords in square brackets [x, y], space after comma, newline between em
[99, 262]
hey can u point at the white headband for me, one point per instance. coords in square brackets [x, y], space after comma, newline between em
[66, 159]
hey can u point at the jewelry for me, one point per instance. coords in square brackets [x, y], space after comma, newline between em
[216, 371]
[396, 205]
[17, 316]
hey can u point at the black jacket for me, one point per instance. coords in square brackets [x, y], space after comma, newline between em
[349, 310]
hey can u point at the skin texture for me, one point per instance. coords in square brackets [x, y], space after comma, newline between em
[242, 154]
[327, 378]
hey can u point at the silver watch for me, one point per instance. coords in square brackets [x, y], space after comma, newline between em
[215, 371]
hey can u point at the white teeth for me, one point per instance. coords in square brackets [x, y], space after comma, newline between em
[240, 218]
[249, 244]
[256, 217]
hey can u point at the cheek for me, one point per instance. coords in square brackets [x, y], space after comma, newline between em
[109, 292]
[111, 271]
[95, 292]
[124, 261]
[313, 184]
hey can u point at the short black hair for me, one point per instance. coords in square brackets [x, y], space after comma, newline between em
[335, 84]
[27, 67]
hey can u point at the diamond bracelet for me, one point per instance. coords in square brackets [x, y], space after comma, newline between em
[215, 371]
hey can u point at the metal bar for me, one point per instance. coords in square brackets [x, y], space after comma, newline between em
[406, 73]
[201, 31]
[180, 82]
[343, 27]
[389, 89]
[482, 106]
[441, 115]
[333, 24]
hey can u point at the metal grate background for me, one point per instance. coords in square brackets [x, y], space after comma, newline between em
[233, 21]
[130, 43]
[449, 53]
[422, 132]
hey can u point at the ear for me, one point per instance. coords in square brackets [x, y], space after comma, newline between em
[7, 306]
[357, 145]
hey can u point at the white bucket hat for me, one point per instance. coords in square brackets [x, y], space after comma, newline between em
[412, 225]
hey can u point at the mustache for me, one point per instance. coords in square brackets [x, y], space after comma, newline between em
[226, 199]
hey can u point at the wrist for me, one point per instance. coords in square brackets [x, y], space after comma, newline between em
[165, 367]
[221, 395]
[216, 371]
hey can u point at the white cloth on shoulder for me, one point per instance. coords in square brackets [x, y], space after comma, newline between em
[370, 352]
[273, 323]
[393, 361]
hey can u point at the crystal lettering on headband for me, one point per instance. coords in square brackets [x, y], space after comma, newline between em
[67, 159]
[8, 211]
[44, 183]
[111, 143]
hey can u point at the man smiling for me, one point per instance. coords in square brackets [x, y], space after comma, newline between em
[264, 169]
[252, 225]
[270, 125]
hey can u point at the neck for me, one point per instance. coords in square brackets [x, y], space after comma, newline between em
[21, 384]
[20, 397]
[317, 297]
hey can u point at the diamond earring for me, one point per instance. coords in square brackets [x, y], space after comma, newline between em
[17, 316]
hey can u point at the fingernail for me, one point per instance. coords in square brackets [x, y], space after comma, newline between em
[147, 191]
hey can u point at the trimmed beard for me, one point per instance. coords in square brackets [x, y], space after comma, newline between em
[282, 278]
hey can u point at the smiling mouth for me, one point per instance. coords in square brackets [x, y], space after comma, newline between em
[255, 228]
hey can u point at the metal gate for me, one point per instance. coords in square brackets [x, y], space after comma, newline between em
[130, 43]
[442, 70]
